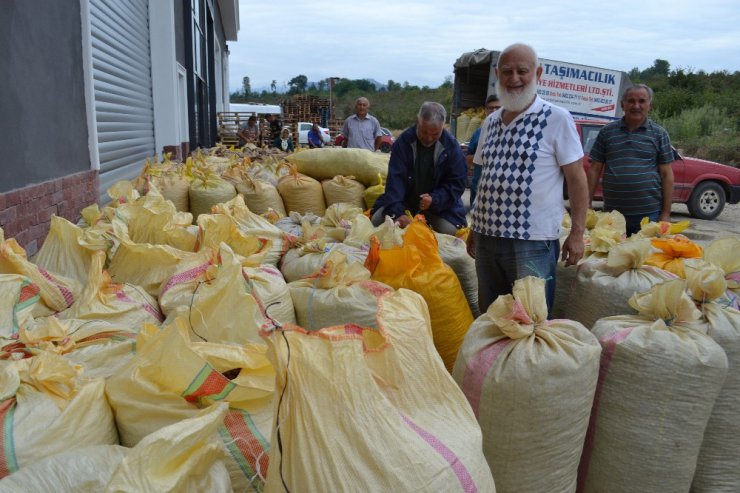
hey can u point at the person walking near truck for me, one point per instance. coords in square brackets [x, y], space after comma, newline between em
[492, 104]
[426, 175]
[526, 149]
[362, 130]
[635, 155]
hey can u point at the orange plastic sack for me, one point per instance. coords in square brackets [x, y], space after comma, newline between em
[672, 253]
[416, 265]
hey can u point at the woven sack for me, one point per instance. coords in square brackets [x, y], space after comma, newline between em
[380, 400]
[512, 355]
[328, 162]
[205, 193]
[659, 378]
[718, 467]
[344, 189]
[301, 193]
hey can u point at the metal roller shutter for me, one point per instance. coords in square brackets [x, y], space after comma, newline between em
[122, 81]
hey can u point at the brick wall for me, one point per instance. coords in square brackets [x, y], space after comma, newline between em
[25, 213]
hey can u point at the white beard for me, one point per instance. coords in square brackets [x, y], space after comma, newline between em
[516, 102]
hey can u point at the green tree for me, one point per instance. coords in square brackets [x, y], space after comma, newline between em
[246, 86]
[298, 84]
[273, 86]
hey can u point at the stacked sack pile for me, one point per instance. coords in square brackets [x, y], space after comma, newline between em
[664, 310]
[468, 122]
[185, 347]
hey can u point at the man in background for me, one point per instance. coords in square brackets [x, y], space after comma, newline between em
[362, 130]
[426, 175]
[635, 155]
[526, 149]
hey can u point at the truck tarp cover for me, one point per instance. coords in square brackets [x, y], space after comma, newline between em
[474, 58]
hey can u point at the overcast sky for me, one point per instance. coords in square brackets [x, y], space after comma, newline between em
[418, 41]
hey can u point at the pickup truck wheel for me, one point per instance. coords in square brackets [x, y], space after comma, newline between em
[707, 200]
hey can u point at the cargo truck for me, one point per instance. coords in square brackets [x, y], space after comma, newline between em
[592, 95]
[585, 91]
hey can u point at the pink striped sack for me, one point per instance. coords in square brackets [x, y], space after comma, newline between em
[125, 305]
[660, 376]
[371, 410]
[530, 383]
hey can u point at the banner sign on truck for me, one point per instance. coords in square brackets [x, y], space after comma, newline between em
[580, 89]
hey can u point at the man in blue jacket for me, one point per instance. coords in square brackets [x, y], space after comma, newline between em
[427, 175]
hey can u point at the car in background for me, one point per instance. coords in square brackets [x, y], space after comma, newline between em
[304, 127]
[386, 140]
[704, 186]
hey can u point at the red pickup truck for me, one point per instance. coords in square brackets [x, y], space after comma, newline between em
[704, 186]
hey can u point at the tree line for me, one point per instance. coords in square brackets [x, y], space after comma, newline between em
[700, 110]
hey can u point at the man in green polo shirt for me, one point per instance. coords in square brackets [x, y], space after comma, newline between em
[635, 155]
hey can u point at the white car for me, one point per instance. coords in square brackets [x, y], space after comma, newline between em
[304, 127]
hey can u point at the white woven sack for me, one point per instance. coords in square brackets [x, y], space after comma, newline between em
[603, 287]
[296, 266]
[565, 286]
[530, 383]
[454, 253]
[271, 292]
[339, 294]
[718, 467]
[657, 385]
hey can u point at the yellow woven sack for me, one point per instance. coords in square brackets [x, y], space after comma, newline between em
[145, 265]
[211, 293]
[125, 305]
[98, 347]
[218, 228]
[180, 457]
[271, 292]
[416, 265]
[152, 219]
[344, 189]
[47, 408]
[256, 225]
[173, 186]
[723, 252]
[389, 416]
[259, 195]
[18, 296]
[373, 192]
[328, 162]
[463, 121]
[301, 193]
[649, 229]
[207, 191]
[68, 249]
[57, 292]
[672, 253]
[171, 378]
